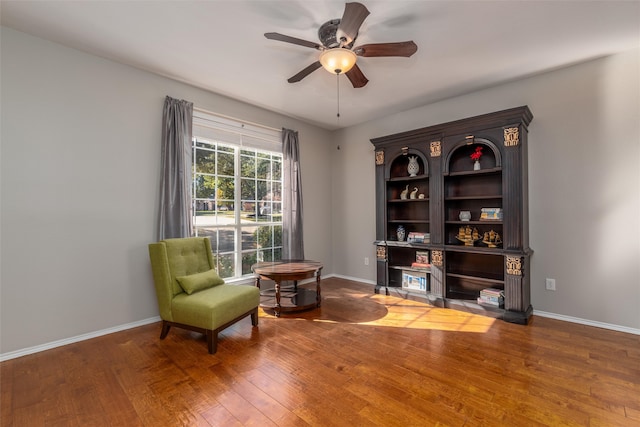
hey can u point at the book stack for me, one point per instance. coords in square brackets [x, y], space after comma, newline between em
[491, 296]
[415, 237]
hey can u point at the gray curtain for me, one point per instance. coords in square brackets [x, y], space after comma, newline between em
[292, 242]
[175, 180]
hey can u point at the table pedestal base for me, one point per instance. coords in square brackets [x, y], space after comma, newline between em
[291, 299]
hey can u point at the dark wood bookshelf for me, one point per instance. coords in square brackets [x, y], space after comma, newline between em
[449, 184]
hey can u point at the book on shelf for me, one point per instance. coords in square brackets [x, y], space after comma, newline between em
[492, 292]
[421, 266]
[489, 302]
[422, 257]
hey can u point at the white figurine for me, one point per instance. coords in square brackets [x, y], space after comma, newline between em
[404, 193]
[413, 193]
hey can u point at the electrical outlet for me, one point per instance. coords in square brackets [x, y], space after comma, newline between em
[551, 284]
[366, 260]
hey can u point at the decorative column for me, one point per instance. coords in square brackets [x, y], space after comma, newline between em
[437, 273]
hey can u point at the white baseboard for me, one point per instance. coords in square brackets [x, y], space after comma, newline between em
[339, 276]
[587, 322]
[355, 279]
[83, 337]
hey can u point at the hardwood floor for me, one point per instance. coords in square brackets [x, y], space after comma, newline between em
[361, 360]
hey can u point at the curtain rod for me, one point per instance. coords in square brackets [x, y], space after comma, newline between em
[202, 110]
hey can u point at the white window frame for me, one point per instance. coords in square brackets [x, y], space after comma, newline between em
[229, 132]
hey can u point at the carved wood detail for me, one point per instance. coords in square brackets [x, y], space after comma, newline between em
[379, 158]
[514, 265]
[435, 148]
[436, 258]
[511, 137]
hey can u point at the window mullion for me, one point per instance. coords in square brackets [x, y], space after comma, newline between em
[193, 186]
[237, 203]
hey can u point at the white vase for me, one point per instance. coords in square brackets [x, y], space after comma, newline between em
[476, 165]
[413, 166]
[465, 215]
[400, 233]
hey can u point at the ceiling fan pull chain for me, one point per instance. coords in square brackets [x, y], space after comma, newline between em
[338, 86]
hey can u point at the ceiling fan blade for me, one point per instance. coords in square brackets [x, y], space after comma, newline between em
[294, 40]
[387, 49]
[356, 77]
[304, 73]
[352, 18]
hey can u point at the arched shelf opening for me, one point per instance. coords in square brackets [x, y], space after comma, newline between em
[398, 167]
[459, 158]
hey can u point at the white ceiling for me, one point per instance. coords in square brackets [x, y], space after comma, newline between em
[217, 45]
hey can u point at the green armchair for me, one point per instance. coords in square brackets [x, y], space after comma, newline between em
[190, 293]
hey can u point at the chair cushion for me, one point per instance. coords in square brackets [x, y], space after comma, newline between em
[216, 306]
[199, 281]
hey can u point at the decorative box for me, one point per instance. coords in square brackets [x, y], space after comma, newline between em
[491, 214]
[414, 280]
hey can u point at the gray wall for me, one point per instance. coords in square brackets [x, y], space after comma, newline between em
[584, 185]
[79, 177]
[79, 180]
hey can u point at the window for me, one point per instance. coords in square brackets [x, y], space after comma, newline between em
[237, 187]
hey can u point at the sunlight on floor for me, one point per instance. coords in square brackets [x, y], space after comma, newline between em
[416, 315]
[435, 318]
[457, 323]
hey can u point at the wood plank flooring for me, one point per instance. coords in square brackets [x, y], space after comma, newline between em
[360, 360]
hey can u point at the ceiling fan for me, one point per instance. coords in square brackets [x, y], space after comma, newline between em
[338, 56]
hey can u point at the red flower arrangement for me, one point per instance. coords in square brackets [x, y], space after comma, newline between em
[476, 154]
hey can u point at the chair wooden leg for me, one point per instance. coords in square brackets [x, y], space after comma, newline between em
[165, 329]
[212, 341]
[211, 334]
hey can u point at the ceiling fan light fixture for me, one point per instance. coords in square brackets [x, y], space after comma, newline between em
[338, 60]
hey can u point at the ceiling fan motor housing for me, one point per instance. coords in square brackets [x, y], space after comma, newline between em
[328, 35]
